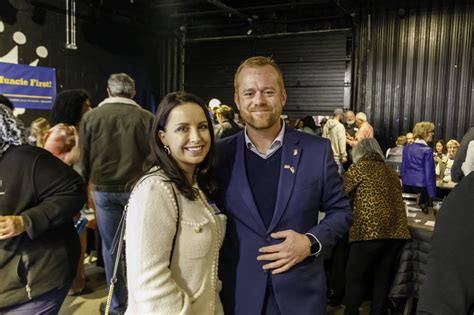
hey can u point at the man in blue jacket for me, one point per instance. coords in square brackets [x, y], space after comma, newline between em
[273, 181]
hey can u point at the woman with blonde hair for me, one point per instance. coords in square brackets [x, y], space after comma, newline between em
[418, 170]
[443, 168]
[38, 130]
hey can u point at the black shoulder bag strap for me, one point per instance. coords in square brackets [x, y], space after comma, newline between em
[118, 245]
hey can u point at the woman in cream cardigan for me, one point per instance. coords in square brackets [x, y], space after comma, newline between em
[173, 234]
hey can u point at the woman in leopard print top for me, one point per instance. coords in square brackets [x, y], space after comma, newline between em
[379, 229]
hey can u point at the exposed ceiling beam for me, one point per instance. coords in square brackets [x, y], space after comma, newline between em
[157, 5]
[254, 8]
[230, 10]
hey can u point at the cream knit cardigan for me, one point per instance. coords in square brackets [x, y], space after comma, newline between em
[189, 284]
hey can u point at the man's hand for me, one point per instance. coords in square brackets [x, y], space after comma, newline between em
[294, 249]
[11, 226]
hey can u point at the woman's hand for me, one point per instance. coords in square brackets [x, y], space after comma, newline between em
[11, 226]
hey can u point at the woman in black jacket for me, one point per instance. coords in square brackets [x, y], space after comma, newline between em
[39, 247]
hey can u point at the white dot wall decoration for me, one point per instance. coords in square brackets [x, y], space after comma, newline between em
[19, 38]
[42, 51]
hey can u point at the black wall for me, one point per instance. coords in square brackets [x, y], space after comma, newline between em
[411, 61]
[402, 61]
[107, 43]
[313, 64]
[415, 62]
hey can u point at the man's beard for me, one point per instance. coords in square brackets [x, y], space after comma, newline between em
[350, 122]
[261, 123]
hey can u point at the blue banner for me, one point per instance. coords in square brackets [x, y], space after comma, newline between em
[28, 87]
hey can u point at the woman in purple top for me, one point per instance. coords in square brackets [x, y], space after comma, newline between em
[418, 169]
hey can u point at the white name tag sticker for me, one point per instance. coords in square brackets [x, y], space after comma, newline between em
[430, 223]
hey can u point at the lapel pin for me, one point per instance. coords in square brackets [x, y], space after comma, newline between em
[295, 152]
[291, 168]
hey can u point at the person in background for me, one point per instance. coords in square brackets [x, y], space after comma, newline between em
[379, 230]
[336, 133]
[226, 126]
[350, 123]
[394, 155]
[5, 101]
[213, 112]
[468, 164]
[321, 125]
[418, 170]
[39, 246]
[63, 141]
[272, 183]
[335, 265]
[456, 170]
[309, 126]
[439, 152]
[410, 138]
[351, 129]
[299, 125]
[38, 129]
[173, 234]
[444, 166]
[365, 130]
[113, 141]
[448, 287]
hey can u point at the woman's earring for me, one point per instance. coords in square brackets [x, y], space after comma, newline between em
[167, 149]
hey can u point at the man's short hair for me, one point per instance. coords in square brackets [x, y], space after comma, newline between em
[255, 62]
[338, 111]
[361, 116]
[121, 85]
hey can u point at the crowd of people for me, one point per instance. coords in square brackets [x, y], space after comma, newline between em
[231, 226]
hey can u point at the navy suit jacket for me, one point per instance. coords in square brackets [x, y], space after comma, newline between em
[308, 182]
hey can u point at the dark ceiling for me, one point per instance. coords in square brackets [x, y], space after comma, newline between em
[201, 18]
[196, 19]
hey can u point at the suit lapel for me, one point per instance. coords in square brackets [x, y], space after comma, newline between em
[243, 186]
[288, 170]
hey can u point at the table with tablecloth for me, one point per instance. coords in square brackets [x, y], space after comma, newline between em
[413, 259]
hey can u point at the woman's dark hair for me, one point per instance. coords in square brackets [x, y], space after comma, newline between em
[159, 157]
[308, 121]
[68, 107]
[444, 146]
[5, 101]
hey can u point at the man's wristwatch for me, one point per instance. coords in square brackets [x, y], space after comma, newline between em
[315, 245]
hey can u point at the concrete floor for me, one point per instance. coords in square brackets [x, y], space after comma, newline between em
[88, 304]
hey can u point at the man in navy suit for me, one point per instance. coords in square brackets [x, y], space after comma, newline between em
[272, 183]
